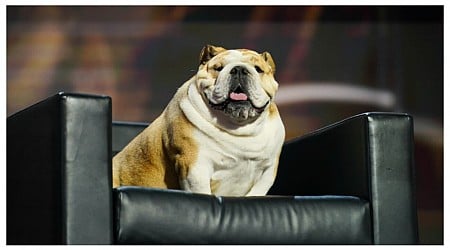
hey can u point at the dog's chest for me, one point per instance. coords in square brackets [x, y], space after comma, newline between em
[236, 164]
[236, 176]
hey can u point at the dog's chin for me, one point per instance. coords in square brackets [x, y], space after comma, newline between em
[240, 112]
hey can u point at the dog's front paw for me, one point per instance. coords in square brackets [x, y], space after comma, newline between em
[196, 185]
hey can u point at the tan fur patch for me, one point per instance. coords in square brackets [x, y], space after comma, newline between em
[161, 153]
[264, 60]
[273, 110]
[143, 162]
[215, 184]
[182, 147]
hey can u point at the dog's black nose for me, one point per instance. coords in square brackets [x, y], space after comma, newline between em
[239, 70]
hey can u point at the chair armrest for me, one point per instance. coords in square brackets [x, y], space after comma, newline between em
[59, 172]
[369, 156]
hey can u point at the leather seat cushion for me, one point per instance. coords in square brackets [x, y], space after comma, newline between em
[156, 216]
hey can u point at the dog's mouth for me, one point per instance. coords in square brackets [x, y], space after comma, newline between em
[238, 95]
[239, 106]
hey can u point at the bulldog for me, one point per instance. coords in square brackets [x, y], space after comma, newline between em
[221, 133]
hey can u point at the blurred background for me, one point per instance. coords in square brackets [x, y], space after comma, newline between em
[332, 62]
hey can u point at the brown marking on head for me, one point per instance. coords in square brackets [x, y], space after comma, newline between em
[264, 60]
[208, 52]
[268, 58]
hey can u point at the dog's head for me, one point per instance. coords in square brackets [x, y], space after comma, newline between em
[240, 83]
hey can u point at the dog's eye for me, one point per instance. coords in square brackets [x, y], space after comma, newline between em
[218, 68]
[258, 69]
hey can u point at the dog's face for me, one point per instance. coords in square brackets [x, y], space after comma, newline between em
[239, 83]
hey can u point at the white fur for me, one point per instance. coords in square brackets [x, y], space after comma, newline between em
[243, 160]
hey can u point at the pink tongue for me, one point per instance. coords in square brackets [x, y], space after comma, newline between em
[238, 96]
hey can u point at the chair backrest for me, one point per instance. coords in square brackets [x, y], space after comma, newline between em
[123, 133]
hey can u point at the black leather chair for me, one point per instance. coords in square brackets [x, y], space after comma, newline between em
[349, 183]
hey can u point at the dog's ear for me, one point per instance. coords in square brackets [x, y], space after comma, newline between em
[208, 52]
[268, 58]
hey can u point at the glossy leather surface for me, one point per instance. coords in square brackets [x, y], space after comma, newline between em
[368, 156]
[155, 216]
[59, 172]
[59, 185]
